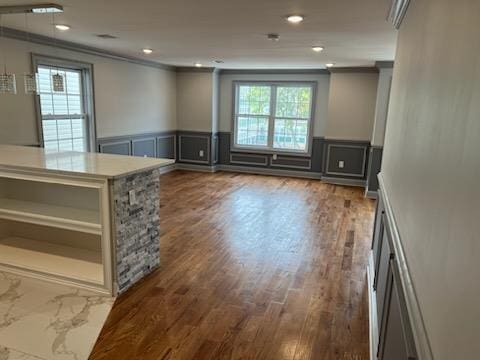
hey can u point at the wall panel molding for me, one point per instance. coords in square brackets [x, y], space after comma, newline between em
[353, 153]
[420, 335]
[191, 143]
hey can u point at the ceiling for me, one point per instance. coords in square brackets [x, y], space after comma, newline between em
[181, 32]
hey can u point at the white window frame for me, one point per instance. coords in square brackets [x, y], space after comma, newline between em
[86, 71]
[269, 149]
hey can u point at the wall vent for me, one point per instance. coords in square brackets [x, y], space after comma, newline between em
[106, 36]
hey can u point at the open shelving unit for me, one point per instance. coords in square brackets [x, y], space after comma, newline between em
[56, 229]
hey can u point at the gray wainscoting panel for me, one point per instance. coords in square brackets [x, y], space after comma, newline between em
[291, 162]
[167, 146]
[249, 159]
[194, 147]
[353, 154]
[144, 147]
[317, 154]
[284, 161]
[116, 147]
[374, 167]
[223, 148]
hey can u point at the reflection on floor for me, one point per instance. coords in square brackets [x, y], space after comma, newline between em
[251, 267]
[40, 320]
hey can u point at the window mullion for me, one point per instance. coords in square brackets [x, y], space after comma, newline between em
[271, 118]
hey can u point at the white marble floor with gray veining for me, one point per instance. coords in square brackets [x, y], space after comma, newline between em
[41, 320]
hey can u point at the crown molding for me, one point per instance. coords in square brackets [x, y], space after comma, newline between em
[90, 50]
[190, 69]
[273, 71]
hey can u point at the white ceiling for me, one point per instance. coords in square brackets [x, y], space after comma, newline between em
[181, 32]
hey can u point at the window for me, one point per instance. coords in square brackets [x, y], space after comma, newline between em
[275, 117]
[65, 116]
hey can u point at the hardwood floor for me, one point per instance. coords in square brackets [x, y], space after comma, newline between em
[252, 267]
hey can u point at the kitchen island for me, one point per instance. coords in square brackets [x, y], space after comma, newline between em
[84, 219]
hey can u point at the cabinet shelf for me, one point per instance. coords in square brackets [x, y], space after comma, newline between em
[64, 217]
[52, 259]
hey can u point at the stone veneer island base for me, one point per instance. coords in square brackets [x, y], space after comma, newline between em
[83, 219]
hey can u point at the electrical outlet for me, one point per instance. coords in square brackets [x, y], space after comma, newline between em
[274, 157]
[200, 153]
[132, 199]
[341, 164]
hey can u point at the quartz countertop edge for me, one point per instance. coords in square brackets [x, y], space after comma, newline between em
[84, 164]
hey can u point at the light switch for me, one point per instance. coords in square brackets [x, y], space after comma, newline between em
[200, 153]
[341, 164]
[132, 199]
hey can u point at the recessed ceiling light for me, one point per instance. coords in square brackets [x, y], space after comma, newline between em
[62, 27]
[295, 19]
[147, 51]
[329, 64]
[317, 48]
[197, 64]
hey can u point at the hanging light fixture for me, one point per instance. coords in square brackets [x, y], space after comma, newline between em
[29, 79]
[58, 82]
[8, 83]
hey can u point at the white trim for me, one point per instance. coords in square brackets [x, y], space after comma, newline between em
[371, 194]
[168, 168]
[342, 181]
[413, 307]
[372, 309]
[328, 172]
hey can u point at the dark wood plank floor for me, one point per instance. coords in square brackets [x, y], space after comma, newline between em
[252, 267]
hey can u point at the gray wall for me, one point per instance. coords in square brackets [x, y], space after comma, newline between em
[431, 167]
[129, 98]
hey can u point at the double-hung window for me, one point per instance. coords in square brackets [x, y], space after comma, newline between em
[65, 116]
[273, 116]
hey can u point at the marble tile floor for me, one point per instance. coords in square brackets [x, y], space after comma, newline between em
[45, 321]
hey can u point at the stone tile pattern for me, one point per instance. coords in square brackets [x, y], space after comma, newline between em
[137, 227]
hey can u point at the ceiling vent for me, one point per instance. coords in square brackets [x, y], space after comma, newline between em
[106, 36]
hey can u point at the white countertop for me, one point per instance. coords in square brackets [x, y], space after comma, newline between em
[79, 163]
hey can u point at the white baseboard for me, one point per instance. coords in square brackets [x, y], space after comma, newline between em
[372, 309]
[168, 168]
[371, 194]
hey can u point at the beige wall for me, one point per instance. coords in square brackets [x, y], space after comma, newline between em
[431, 167]
[129, 98]
[226, 96]
[195, 101]
[351, 106]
